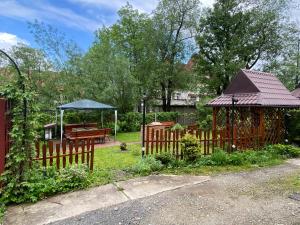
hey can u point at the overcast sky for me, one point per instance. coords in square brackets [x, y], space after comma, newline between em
[78, 19]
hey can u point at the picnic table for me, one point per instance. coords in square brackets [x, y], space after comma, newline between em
[75, 132]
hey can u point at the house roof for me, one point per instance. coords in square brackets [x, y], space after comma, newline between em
[254, 88]
[85, 104]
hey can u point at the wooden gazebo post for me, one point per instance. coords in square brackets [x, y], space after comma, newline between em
[262, 133]
[214, 126]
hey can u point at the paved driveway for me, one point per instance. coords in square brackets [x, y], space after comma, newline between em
[256, 197]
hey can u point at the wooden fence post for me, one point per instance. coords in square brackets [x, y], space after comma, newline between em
[92, 155]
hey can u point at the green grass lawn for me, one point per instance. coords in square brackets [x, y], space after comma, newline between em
[112, 158]
[129, 137]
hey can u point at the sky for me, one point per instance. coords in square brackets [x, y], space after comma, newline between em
[78, 19]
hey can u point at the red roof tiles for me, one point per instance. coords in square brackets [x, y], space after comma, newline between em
[256, 88]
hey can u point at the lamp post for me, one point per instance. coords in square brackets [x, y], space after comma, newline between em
[233, 101]
[144, 121]
[287, 118]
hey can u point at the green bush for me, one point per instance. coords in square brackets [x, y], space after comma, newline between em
[165, 158]
[146, 166]
[190, 147]
[288, 151]
[39, 183]
[219, 157]
[236, 159]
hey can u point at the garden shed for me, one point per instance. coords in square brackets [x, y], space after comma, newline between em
[251, 111]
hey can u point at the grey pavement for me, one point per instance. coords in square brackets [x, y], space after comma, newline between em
[256, 197]
[75, 203]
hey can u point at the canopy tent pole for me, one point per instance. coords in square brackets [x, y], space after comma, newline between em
[116, 119]
[61, 125]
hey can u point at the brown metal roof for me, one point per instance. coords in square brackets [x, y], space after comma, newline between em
[296, 92]
[254, 88]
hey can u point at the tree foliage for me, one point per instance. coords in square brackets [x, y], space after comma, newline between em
[238, 34]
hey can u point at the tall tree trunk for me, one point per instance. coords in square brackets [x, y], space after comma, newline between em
[163, 97]
[169, 96]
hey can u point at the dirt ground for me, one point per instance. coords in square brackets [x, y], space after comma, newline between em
[256, 197]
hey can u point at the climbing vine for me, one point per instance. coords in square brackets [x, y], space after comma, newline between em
[24, 114]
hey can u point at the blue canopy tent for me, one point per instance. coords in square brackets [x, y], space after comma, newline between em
[85, 104]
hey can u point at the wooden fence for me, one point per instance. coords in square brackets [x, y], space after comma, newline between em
[61, 155]
[166, 140]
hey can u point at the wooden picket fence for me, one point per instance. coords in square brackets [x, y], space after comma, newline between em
[61, 155]
[166, 140]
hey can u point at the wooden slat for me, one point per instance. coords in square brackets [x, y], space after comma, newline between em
[169, 140]
[152, 140]
[208, 143]
[161, 140]
[57, 156]
[147, 140]
[44, 149]
[177, 143]
[204, 142]
[64, 146]
[82, 151]
[76, 150]
[88, 149]
[50, 144]
[71, 153]
[166, 140]
[156, 140]
[92, 155]
[37, 149]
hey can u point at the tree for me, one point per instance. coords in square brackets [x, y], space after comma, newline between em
[287, 67]
[174, 24]
[66, 60]
[108, 76]
[238, 34]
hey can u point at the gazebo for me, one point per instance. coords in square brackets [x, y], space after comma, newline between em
[251, 111]
[85, 104]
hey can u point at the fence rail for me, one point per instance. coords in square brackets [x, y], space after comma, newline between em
[166, 140]
[61, 155]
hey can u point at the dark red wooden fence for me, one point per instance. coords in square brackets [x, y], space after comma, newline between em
[61, 155]
[166, 140]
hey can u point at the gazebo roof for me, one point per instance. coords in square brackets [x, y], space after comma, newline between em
[296, 92]
[85, 104]
[254, 88]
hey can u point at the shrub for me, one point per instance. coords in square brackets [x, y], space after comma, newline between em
[40, 183]
[190, 148]
[284, 150]
[74, 177]
[219, 157]
[147, 165]
[165, 158]
[236, 159]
